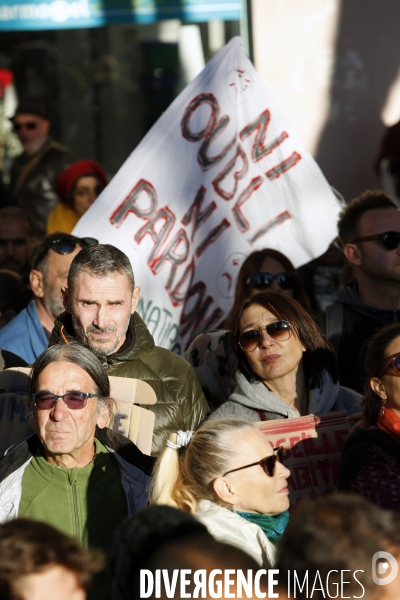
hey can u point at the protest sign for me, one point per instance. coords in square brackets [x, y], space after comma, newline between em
[313, 445]
[220, 174]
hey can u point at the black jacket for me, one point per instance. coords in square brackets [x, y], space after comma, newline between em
[349, 323]
[370, 466]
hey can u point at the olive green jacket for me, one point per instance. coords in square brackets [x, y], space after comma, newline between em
[180, 400]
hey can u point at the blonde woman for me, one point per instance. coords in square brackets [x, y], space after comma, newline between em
[228, 476]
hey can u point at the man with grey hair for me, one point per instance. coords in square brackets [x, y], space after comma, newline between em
[100, 302]
[74, 473]
[27, 335]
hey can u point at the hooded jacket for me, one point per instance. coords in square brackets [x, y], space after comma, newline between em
[180, 400]
[252, 396]
[348, 324]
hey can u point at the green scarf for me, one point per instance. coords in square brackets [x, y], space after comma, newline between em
[272, 526]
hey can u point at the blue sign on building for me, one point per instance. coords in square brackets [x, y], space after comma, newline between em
[18, 15]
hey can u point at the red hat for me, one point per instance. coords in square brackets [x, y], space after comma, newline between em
[81, 168]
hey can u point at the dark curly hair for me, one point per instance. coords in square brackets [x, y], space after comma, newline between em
[28, 547]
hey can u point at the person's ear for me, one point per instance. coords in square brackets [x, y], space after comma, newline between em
[103, 417]
[378, 386]
[135, 299]
[353, 254]
[36, 281]
[225, 490]
[65, 298]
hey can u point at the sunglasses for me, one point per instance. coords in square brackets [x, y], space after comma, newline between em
[268, 463]
[68, 245]
[31, 125]
[390, 240]
[64, 245]
[72, 400]
[278, 330]
[393, 366]
[261, 281]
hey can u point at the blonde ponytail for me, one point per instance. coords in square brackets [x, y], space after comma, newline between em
[183, 476]
[168, 487]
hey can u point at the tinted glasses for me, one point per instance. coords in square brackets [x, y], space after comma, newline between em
[73, 400]
[65, 244]
[390, 240]
[393, 366]
[31, 125]
[268, 463]
[278, 330]
[262, 281]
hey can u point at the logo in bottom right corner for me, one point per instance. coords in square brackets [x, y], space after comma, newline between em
[383, 562]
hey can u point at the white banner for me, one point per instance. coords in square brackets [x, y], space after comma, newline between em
[220, 174]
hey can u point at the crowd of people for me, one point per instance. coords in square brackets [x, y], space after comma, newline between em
[83, 510]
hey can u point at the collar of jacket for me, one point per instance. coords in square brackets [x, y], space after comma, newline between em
[64, 332]
[376, 436]
[348, 296]
[20, 453]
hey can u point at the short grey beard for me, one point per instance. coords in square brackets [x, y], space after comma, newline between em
[80, 334]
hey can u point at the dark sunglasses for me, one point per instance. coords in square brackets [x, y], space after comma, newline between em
[261, 281]
[73, 400]
[268, 463]
[68, 245]
[393, 366]
[31, 125]
[63, 245]
[390, 240]
[278, 330]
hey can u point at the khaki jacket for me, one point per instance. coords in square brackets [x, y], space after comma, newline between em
[180, 400]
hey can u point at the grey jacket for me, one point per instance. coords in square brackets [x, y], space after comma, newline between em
[251, 396]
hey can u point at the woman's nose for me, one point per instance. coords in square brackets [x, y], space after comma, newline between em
[282, 471]
[265, 338]
[274, 287]
[92, 196]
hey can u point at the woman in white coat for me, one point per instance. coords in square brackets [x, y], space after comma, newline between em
[228, 476]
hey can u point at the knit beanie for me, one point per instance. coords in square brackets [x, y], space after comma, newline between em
[78, 169]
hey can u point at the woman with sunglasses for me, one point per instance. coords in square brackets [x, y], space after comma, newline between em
[370, 461]
[267, 270]
[211, 354]
[77, 187]
[230, 478]
[286, 366]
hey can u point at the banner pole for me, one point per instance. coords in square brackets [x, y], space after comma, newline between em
[246, 29]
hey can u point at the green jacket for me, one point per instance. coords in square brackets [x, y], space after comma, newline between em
[180, 400]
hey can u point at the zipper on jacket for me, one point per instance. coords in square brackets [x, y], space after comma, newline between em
[76, 514]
